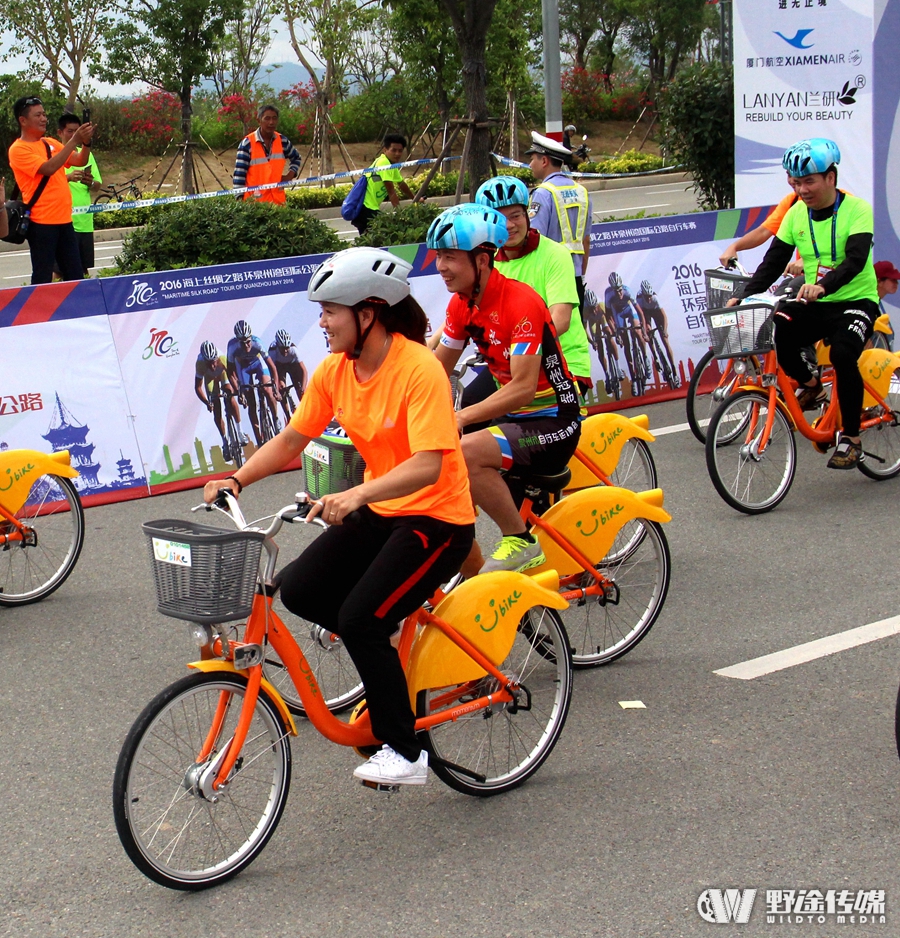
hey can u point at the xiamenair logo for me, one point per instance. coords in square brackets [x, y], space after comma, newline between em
[721, 906]
[797, 39]
[142, 294]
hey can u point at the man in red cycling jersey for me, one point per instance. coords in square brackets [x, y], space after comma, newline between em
[535, 409]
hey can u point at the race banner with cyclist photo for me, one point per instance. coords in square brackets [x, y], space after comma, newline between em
[646, 299]
[166, 378]
[199, 352]
[66, 393]
[802, 68]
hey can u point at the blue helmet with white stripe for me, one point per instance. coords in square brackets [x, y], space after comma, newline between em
[816, 155]
[467, 227]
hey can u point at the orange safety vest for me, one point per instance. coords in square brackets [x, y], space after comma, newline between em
[265, 169]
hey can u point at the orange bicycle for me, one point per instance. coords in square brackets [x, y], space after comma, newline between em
[41, 524]
[751, 452]
[204, 773]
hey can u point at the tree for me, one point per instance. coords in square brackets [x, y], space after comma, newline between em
[664, 32]
[590, 28]
[471, 20]
[238, 59]
[169, 44]
[422, 36]
[697, 111]
[58, 37]
[514, 44]
[324, 31]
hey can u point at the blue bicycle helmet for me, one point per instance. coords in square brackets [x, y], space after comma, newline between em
[242, 329]
[208, 352]
[502, 191]
[467, 227]
[283, 338]
[816, 155]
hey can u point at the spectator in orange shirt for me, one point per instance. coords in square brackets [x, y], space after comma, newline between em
[33, 157]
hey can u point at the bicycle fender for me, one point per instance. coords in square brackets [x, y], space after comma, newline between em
[590, 520]
[209, 665]
[601, 441]
[486, 610]
[877, 367]
[20, 468]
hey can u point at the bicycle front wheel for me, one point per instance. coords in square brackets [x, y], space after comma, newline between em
[604, 627]
[173, 827]
[750, 475]
[711, 382]
[505, 743]
[37, 560]
[881, 444]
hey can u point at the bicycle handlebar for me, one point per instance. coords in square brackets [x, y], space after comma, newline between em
[298, 510]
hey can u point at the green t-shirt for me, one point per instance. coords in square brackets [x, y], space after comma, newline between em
[376, 191]
[548, 271]
[854, 216]
[81, 195]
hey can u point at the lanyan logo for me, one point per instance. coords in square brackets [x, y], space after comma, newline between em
[720, 906]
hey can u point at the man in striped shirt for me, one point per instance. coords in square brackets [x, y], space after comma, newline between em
[266, 156]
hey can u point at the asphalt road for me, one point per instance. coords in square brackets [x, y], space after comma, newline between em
[788, 781]
[659, 198]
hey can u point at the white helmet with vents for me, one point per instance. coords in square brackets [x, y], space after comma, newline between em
[358, 274]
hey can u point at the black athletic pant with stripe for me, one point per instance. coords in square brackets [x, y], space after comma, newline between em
[360, 579]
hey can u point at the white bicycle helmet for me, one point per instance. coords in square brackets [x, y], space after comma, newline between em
[358, 274]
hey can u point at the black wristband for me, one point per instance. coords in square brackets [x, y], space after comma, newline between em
[237, 482]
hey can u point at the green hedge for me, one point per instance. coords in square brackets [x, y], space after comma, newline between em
[631, 161]
[223, 231]
[405, 225]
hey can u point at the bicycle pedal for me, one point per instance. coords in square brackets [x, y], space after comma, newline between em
[379, 786]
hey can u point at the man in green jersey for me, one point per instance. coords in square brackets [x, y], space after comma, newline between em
[83, 181]
[545, 265]
[839, 300]
[383, 184]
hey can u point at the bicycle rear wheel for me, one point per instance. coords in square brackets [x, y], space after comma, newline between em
[234, 442]
[505, 744]
[53, 522]
[881, 444]
[635, 469]
[335, 673]
[264, 415]
[749, 477]
[172, 832]
[603, 628]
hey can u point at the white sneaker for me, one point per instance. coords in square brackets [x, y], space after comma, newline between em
[387, 767]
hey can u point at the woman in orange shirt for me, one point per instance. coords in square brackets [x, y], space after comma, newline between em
[394, 539]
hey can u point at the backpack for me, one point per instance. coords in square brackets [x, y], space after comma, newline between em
[353, 203]
[18, 213]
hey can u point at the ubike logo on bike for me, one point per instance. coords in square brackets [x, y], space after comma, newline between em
[161, 345]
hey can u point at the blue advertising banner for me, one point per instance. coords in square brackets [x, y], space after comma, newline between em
[111, 369]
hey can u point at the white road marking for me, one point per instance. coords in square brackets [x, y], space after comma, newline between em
[676, 428]
[809, 651]
[628, 208]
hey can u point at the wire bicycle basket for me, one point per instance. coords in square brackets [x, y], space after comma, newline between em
[736, 331]
[203, 574]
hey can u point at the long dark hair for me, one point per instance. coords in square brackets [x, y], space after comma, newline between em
[405, 317]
